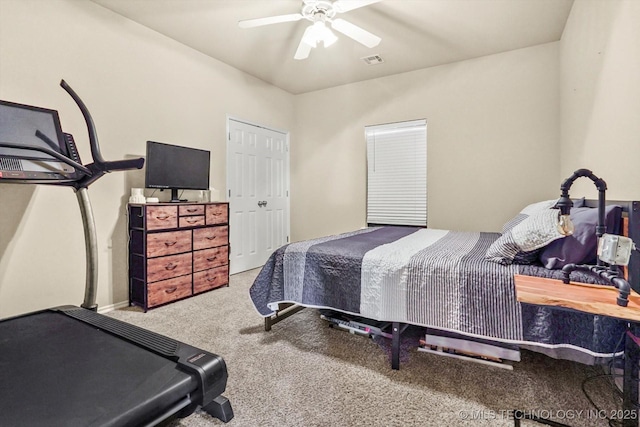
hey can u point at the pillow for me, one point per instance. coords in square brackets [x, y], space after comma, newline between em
[526, 212]
[579, 203]
[581, 246]
[522, 244]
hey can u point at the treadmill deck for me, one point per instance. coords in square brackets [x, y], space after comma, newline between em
[57, 370]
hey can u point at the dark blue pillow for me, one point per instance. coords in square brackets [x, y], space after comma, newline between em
[580, 248]
[579, 203]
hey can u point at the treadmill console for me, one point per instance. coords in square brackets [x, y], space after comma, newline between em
[33, 148]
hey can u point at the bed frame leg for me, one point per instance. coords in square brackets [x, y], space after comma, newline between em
[395, 346]
[284, 310]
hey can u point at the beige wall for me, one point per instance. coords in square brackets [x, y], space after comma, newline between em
[600, 96]
[138, 85]
[492, 137]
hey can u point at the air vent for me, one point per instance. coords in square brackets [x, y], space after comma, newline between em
[373, 59]
[10, 164]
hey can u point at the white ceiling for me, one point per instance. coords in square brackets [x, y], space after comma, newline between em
[415, 34]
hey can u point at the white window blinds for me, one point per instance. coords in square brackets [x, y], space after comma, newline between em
[397, 173]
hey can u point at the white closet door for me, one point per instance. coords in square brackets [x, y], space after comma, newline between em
[258, 191]
[397, 173]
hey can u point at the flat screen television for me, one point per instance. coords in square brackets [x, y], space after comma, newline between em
[175, 168]
[38, 128]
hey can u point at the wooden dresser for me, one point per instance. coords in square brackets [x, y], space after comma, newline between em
[176, 250]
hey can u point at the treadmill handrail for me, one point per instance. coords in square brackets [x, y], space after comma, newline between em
[100, 169]
[91, 128]
[50, 152]
[99, 166]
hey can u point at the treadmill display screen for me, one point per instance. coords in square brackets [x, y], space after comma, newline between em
[31, 126]
[35, 127]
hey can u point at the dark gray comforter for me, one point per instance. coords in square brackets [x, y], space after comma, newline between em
[433, 278]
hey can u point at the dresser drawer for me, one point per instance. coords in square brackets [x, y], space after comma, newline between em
[167, 267]
[185, 210]
[171, 242]
[209, 258]
[191, 221]
[209, 279]
[217, 214]
[162, 217]
[168, 290]
[210, 237]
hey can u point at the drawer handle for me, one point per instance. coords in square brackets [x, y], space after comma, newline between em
[212, 258]
[170, 243]
[170, 266]
[192, 209]
[192, 220]
[211, 237]
[162, 217]
[211, 279]
[171, 290]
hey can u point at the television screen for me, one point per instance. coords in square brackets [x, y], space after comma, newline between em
[177, 168]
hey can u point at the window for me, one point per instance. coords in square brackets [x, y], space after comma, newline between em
[397, 173]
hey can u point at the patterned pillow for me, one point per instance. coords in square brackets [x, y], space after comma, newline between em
[526, 212]
[522, 243]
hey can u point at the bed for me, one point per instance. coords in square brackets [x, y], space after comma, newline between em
[452, 281]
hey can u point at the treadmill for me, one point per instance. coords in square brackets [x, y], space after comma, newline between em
[70, 366]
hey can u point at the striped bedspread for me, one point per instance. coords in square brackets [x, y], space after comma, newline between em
[425, 277]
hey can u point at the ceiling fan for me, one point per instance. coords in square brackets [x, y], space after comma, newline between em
[321, 13]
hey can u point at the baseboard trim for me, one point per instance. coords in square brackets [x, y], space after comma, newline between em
[116, 306]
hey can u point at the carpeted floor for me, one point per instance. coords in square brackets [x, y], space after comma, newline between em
[303, 373]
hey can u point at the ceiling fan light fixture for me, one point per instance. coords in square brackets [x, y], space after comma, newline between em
[309, 41]
[319, 32]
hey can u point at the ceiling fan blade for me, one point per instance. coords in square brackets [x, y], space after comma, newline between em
[342, 6]
[355, 32]
[304, 49]
[258, 22]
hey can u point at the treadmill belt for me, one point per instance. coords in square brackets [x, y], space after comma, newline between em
[58, 371]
